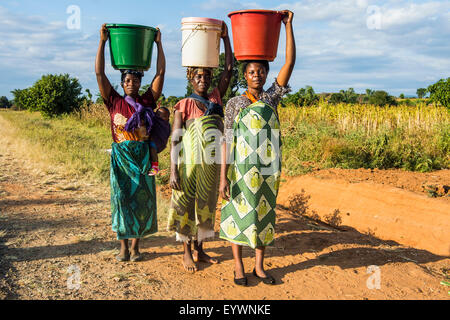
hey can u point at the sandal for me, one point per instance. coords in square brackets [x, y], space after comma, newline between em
[267, 280]
[240, 281]
[123, 258]
[136, 257]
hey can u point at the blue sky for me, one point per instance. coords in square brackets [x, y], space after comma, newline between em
[391, 45]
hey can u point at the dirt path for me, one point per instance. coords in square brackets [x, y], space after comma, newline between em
[53, 230]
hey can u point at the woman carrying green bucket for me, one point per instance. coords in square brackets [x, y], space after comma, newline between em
[133, 193]
[249, 180]
[195, 164]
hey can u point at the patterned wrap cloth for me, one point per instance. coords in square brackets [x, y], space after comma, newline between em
[192, 210]
[253, 131]
[133, 192]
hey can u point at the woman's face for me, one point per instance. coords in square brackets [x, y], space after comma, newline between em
[256, 75]
[131, 85]
[201, 81]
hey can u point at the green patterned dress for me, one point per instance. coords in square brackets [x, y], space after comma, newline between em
[248, 218]
[192, 210]
[133, 192]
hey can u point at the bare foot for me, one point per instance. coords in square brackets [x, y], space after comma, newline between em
[201, 256]
[239, 272]
[189, 264]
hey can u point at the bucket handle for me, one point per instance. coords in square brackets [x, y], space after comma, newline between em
[193, 32]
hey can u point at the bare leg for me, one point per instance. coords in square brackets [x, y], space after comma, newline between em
[200, 255]
[238, 264]
[124, 254]
[188, 261]
[154, 161]
[153, 155]
[123, 246]
[259, 261]
[135, 247]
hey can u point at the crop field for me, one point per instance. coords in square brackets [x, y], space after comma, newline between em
[351, 136]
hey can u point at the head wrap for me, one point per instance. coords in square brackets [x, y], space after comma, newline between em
[191, 71]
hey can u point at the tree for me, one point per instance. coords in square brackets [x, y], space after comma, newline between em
[349, 96]
[99, 99]
[336, 98]
[237, 80]
[143, 89]
[309, 97]
[87, 99]
[303, 97]
[172, 100]
[4, 102]
[162, 100]
[401, 96]
[440, 92]
[421, 92]
[369, 92]
[24, 99]
[381, 98]
[52, 95]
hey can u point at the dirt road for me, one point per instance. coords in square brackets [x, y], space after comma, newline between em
[56, 243]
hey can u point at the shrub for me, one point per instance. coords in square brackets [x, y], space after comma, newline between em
[336, 98]
[24, 99]
[4, 102]
[303, 97]
[440, 92]
[381, 98]
[52, 95]
[349, 95]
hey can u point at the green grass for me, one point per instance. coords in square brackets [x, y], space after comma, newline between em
[415, 138]
[67, 142]
[77, 146]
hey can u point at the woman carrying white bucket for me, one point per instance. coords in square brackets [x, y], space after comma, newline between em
[195, 168]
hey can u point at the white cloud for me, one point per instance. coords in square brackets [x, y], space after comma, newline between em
[412, 14]
[33, 47]
[335, 47]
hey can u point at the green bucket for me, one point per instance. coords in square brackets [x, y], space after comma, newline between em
[131, 46]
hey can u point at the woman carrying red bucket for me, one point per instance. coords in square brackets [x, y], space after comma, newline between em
[251, 158]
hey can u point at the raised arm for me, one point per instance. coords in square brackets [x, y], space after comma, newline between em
[103, 83]
[286, 70]
[158, 80]
[225, 77]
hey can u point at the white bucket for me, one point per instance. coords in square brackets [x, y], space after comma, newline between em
[200, 42]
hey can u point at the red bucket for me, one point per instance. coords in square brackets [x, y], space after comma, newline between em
[255, 34]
